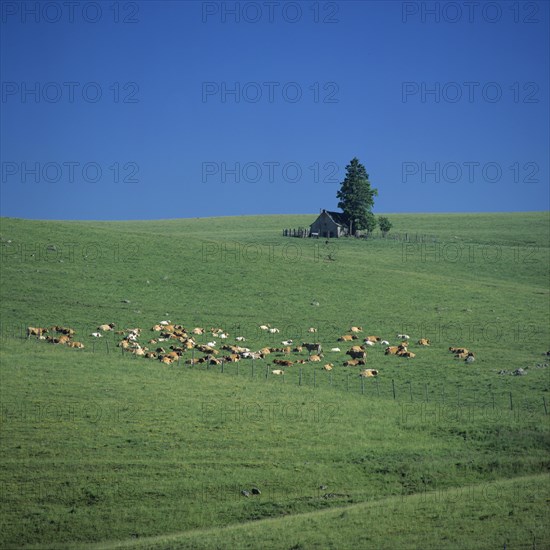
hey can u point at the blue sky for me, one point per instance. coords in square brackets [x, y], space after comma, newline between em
[148, 110]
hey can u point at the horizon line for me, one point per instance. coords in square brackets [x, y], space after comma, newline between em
[272, 215]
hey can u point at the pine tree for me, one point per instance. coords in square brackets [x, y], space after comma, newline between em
[357, 197]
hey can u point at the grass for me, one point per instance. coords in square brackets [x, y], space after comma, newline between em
[99, 447]
[431, 519]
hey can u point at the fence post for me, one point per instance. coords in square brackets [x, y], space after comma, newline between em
[330, 381]
[544, 403]
[238, 368]
[378, 387]
[300, 378]
[347, 382]
[362, 386]
[511, 403]
[426, 388]
[410, 390]
[314, 378]
[393, 387]
[266, 371]
[222, 364]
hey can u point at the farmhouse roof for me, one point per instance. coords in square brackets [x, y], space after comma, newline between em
[338, 217]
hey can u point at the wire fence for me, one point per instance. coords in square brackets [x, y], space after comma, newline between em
[349, 380]
[407, 237]
[443, 395]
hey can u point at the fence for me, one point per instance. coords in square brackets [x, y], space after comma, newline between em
[403, 237]
[407, 237]
[456, 396]
[301, 232]
[444, 395]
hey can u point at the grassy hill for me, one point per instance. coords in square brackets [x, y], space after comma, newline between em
[100, 446]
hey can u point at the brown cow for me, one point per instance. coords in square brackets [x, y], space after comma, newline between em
[64, 330]
[328, 366]
[367, 373]
[315, 358]
[206, 349]
[105, 328]
[283, 362]
[36, 331]
[373, 339]
[78, 345]
[347, 338]
[408, 354]
[357, 352]
[278, 372]
[230, 347]
[357, 348]
[424, 342]
[356, 329]
[393, 350]
[458, 350]
[351, 363]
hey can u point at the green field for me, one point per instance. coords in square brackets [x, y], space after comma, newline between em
[103, 449]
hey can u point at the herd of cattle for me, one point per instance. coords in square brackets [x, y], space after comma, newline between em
[173, 341]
